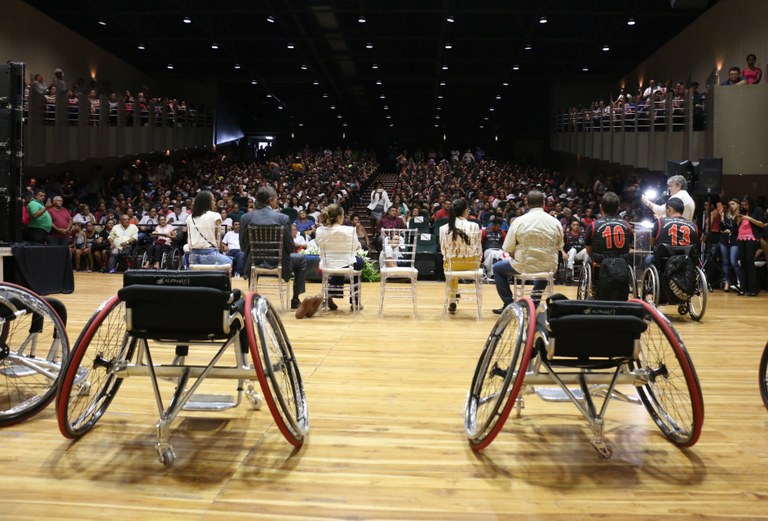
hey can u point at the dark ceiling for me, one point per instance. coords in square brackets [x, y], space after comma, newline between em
[383, 77]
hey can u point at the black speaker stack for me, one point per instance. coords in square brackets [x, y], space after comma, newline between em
[704, 177]
[11, 150]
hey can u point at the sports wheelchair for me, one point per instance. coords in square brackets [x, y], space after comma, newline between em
[763, 376]
[652, 283]
[147, 329]
[33, 347]
[596, 345]
[585, 289]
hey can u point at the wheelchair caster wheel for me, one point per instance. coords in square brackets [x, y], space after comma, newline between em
[256, 400]
[682, 309]
[166, 455]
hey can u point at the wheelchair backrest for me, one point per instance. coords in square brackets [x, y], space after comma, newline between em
[183, 305]
[586, 329]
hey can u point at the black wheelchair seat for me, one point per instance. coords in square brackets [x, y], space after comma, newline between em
[178, 305]
[584, 330]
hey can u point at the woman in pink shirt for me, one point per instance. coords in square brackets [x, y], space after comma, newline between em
[751, 230]
[751, 73]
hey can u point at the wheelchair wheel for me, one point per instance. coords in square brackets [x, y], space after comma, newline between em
[277, 369]
[650, 287]
[763, 375]
[584, 291]
[672, 395]
[89, 382]
[173, 259]
[499, 374]
[698, 303]
[33, 347]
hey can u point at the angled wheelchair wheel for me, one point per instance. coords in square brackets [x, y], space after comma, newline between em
[33, 347]
[89, 381]
[649, 287]
[672, 395]
[277, 369]
[763, 376]
[499, 374]
[584, 291]
[698, 303]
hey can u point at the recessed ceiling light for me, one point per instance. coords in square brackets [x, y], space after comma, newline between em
[389, 117]
[442, 84]
[269, 94]
[361, 19]
[543, 20]
[386, 107]
[486, 118]
[333, 107]
[141, 47]
[290, 45]
[438, 108]
[528, 47]
[378, 82]
[301, 124]
[325, 94]
[391, 124]
[375, 66]
[315, 82]
[498, 96]
[482, 126]
[585, 69]
[344, 124]
[254, 82]
[102, 22]
[279, 107]
[515, 67]
[505, 83]
[382, 96]
[304, 67]
[437, 125]
[214, 46]
[606, 48]
[491, 109]
[450, 19]
[271, 19]
[169, 66]
[186, 20]
[449, 46]
[339, 116]
[631, 21]
[237, 66]
[439, 96]
[437, 116]
[369, 45]
[445, 67]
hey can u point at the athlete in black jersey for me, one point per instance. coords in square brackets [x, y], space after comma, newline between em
[609, 235]
[674, 229]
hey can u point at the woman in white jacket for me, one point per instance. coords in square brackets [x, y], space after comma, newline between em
[338, 243]
[380, 202]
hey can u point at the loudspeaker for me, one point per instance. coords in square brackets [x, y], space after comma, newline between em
[710, 176]
[11, 149]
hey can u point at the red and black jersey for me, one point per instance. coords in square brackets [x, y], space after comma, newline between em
[609, 236]
[675, 231]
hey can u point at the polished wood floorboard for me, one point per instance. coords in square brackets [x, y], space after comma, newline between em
[387, 441]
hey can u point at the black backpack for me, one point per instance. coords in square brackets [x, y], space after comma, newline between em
[679, 280]
[613, 283]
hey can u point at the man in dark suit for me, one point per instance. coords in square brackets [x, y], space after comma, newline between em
[265, 215]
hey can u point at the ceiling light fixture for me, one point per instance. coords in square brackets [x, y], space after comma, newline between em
[369, 45]
[585, 69]
[375, 66]
[338, 117]
[141, 47]
[102, 22]
[304, 67]
[505, 83]
[515, 67]
[528, 47]
[279, 107]
[301, 124]
[186, 20]
[543, 20]
[391, 124]
[498, 96]
[439, 96]
[386, 107]
[442, 84]
[254, 82]
[214, 46]
[290, 45]
[449, 46]
[482, 126]
[315, 82]
[333, 107]
[631, 22]
[325, 94]
[450, 19]
[491, 109]
[382, 96]
[445, 67]
[439, 108]
[237, 66]
[361, 19]
[170, 66]
[271, 19]
[269, 94]
[606, 48]
[378, 82]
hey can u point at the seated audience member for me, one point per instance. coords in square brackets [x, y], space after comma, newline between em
[333, 234]
[146, 224]
[734, 77]
[298, 239]
[230, 245]
[526, 233]
[493, 240]
[393, 252]
[100, 247]
[265, 215]
[121, 238]
[455, 242]
[204, 230]
[362, 233]
[162, 236]
[304, 225]
[80, 247]
[84, 216]
[751, 73]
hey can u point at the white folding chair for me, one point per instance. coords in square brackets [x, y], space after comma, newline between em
[454, 268]
[266, 253]
[335, 255]
[397, 262]
[539, 251]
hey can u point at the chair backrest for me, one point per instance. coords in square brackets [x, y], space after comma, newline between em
[539, 254]
[473, 250]
[419, 222]
[399, 247]
[266, 246]
[336, 254]
[184, 305]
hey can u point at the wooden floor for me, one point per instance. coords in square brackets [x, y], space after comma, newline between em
[387, 441]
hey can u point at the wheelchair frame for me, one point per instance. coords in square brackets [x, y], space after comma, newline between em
[33, 347]
[584, 287]
[109, 350]
[696, 306]
[515, 363]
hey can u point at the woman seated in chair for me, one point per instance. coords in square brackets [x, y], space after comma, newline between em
[203, 232]
[163, 234]
[455, 244]
[334, 236]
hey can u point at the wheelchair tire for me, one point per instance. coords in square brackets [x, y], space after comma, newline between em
[672, 395]
[697, 306]
[763, 376]
[584, 290]
[277, 369]
[30, 366]
[500, 373]
[173, 259]
[650, 286]
[89, 384]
